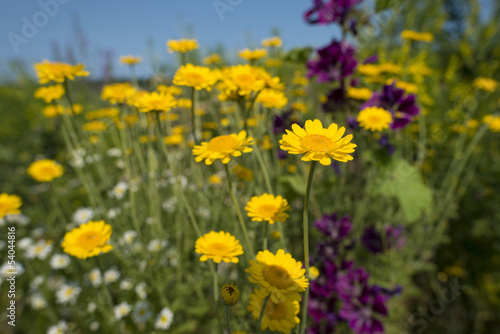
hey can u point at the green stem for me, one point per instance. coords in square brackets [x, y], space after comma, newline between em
[259, 329]
[227, 320]
[193, 116]
[306, 243]
[264, 237]
[216, 295]
[238, 212]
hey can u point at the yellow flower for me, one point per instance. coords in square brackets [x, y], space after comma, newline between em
[229, 294]
[172, 90]
[88, 240]
[102, 113]
[252, 55]
[266, 143]
[218, 246]
[409, 88]
[118, 92]
[174, 139]
[313, 272]
[417, 36]
[273, 41]
[50, 93]
[212, 59]
[182, 45]
[95, 126]
[198, 77]
[271, 98]
[276, 235]
[52, 111]
[298, 92]
[299, 80]
[45, 170]
[280, 275]
[223, 147]
[58, 72]
[317, 143]
[154, 101]
[268, 208]
[273, 62]
[9, 205]
[215, 179]
[493, 122]
[374, 119]
[485, 84]
[242, 173]
[369, 69]
[389, 68]
[240, 80]
[130, 60]
[362, 94]
[280, 316]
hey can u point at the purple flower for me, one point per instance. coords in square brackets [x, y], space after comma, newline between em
[394, 239]
[384, 143]
[352, 123]
[360, 313]
[372, 240]
[351, 283]
[334, 62]
[403, 108]
[330, 11]
[336, 229]
[395, 236]
[281, 122]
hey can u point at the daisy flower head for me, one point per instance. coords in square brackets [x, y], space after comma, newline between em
[58, 72]
[318, 143]
[111, 276]
[121, 310]
[223, 147]
[95, 277]
[359, 93]
[141, 312]
[218, 246]
[82, 215]
[229, 294]
[68, 294]
[130, 60]
[182, 45]
[493, 122]
[278, 316]
[417, 36]
[252, 55]
[241, 80]
[374, 118]
[37, 302]
[271, 98]
[60, 328]
[153, 101]
[486, 84]
[279, 274]
[117, 92]
[45, 170]
[268, 208]
[9, 204]
[273, 41]
[40, 250]
[198, 77]
[50, 93]
[88, 240]
[165, 319]
[212, 59]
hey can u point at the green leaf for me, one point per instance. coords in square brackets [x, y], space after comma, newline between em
[403, 181]
[296, 182]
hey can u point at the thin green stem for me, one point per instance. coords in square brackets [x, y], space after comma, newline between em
[193, 116]
[216, 295]
[264, 236]
[238, 212]
[259, 329]
[227, 320]
[306, 243]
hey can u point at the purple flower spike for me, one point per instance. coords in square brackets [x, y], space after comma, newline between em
[334, 62]
[330, 11]
[331, 226]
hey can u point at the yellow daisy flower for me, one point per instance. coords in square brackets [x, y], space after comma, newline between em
[242, 173]
[118, 92]
[485, 84]
[271, 98]
[9, 204]
[45, 170]
[58, 72]
[198, 77]
[130, 60]
[212, 59]
[252, 55]
[278, 316]
[88, 240]
[493, 122]
[362, 94]
[369, 69]
[172, 90]
[102, 113]
[374, 118]
[223, 147]
[229, 294]
[50, 93]
[273, 41]
[218, 246]
[280, 275]
[268, 208]
[417, 36]
[153, 101]
[317, 143]
[241, 80]
[182, 45]
[95, 126]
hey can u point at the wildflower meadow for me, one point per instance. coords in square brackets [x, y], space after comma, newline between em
[345, 188]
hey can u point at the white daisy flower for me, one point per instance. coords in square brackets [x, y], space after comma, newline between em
[140, 289]
[91, 307]
[156, 245]
[37, 302]
[82, 215]
[18, 219]
[113, 213]
[169, 205]
[95, 277]
[24, 243]
[141, 313]
[165, 318]
[114, 152]
[119, 190]
[126, 284]
[68, 294]
[60, 328]
[121, 310]
[94, 326]
[59, 261]
[111, 276]
[128, 237]
[40, 250]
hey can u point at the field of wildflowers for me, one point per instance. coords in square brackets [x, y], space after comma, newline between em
[347, 189]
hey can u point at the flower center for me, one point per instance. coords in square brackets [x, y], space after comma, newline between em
[277, 276]
[244, 79]
[194, 78]
[222, 144]
[218, 248]
[375, 119]
[275, 311]
[267, 210]
[89, 240]
[316, 143]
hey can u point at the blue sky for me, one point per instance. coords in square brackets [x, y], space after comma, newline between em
[126, 26]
